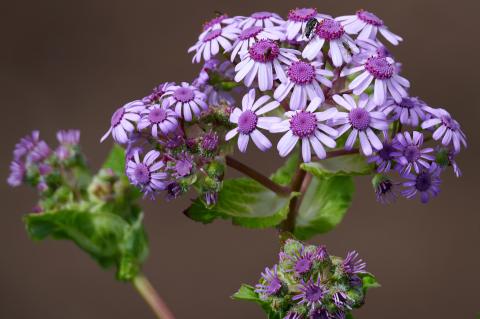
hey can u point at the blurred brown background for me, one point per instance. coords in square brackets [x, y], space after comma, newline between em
[69, 64]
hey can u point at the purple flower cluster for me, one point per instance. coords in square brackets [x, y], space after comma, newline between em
[309, 283]
[324, 83]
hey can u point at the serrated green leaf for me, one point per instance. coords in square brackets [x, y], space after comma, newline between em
[346, 165]
[246, 202]
[116, 160]
[323, 206]
[369, 281]
[106, 237]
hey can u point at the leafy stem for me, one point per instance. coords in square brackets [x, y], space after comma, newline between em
[151, 297]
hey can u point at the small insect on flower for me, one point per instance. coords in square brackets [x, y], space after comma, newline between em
[311, 25]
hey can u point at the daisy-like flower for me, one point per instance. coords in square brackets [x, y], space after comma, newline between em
[249, 121]
[270, 284]
[384, 71]
[40, 152]
[309, 127]
[261, 19]
[362, 119]
[409, 111]
[17, 173]
[368, 25]
[250, 35]
[311, 293]
[385, 189]
[304, 79]
[186, 99]
[321, 313]
[426, 182]
[410, 154]
[158, 118]
[297, 22]
[147, 174]
[123, 121]
[157, 93]
[369, 48]
[447, 128]
[26, 145]
[342, 300]
[301, 262]
[383, 158]
[331, 32]
[68, 137]
[221, 20]
[352, 264]
[209, 45]
[264, 60]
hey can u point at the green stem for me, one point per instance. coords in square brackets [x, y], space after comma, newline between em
[151, 297]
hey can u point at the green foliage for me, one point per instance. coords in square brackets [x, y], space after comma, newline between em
[369, 281]
[107, 237]
[116, 160]
[346, 165]
[324, 204]
[247, 293]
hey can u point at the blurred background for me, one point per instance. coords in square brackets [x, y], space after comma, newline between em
[70, 64]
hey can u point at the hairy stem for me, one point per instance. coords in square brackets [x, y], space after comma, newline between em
[259, 177]
[151, 297]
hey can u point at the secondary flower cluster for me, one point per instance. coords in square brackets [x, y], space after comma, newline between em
[324, 83]
[307, 282]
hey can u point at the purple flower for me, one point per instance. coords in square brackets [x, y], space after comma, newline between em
[262, 19]
[426, 182]
[211, 198]
[321, 253]
[385, 189]
[250, 35]
[368, 24]
[302, 261]
[293, 315]
[309, 127]
[123, 121]
[264, 61]
[447, 128]
[342, 300]
[369, 48]
[17, 173]
[409, 110]
[311, 293]
[385, 74]
[217, 22]
[297, 22]
[453, 162]
[383, 158]
[331, 32]
[248, 121]
[186, 99]
[173, 191]
[320, 313]
[409, 152]
[157, 93]
[40, 152]
[210, 141]
[159, 118]
[68, 137]
[362, 118]
[183, 166]
[304, 79]
[26, 145]
[209, 44]
[352, 264]
[146, 174]
[271, 283]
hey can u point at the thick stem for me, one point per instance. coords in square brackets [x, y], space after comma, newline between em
[289, 224]
[259, 177]
[151, 297]
[341, 152]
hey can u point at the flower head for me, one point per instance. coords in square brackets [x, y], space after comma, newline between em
[263, 19]
[297, 22]
[186, 99]
[383, 158]
[210, 141]
[331, 32]
[352, 264]
[362, 118]
[147, 174]
[446, 128]
[123, 121]
[426, 183]
[158, 118]
[209, 43]
[68, 137]
[311, 293]
[303, 79]
[17, 173]
[248, 121]
[26, 145]
[310, 128]
[270, 284]
[367, 24]
[157, 93]
[382, 71]
[409, 111]
[250, 35]
[264, 61]
[409, 152]
[385, 189]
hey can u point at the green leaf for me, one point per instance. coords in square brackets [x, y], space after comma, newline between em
[346, 165]
[349, 316]
[324, 205]
[116, 160]
[285, 173]
[106, 237]
[246, 292]
[246, 202]
[369, 281]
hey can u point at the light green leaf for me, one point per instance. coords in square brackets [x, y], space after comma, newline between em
[285, 173]
[246, 203]
[346, 165]
[324, 205]
[116, 160]
[106, 237]
[369, 281]
[246, 292]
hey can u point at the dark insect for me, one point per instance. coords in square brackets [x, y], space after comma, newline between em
[311, 24]
[267, 53]
[218, 13]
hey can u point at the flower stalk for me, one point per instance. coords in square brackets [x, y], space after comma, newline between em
[151, 297]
